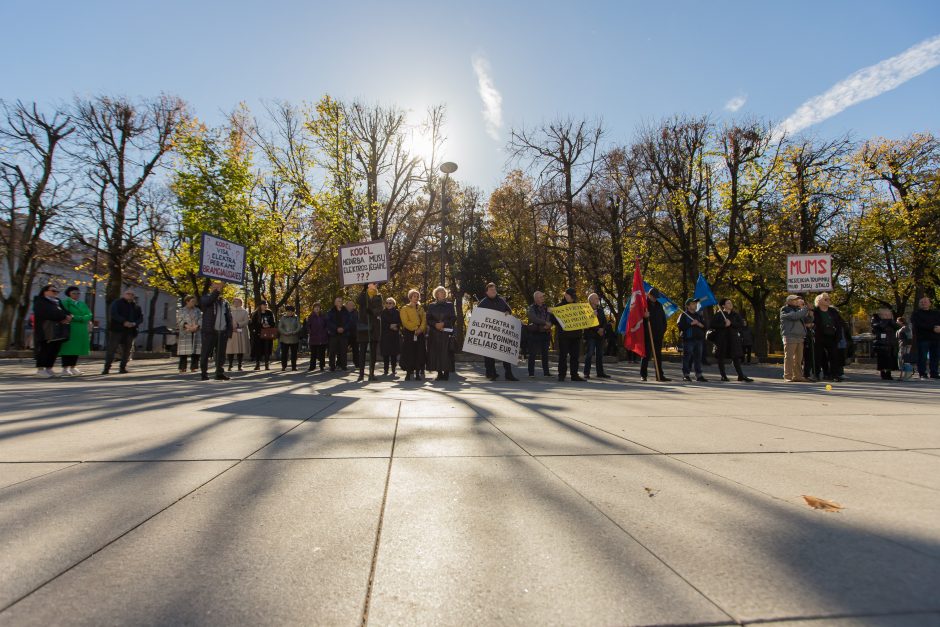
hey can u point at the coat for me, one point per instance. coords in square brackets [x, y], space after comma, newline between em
[885, 343]
[538, 317]
[593, 333]
[122, 311]
[240, 342]
[688, 330]
[727, 339]
[288, 328]
[414, 318]
[79, 342]
[657, 320]
[190, 342]
[792, 325]
[46, 309]
[209, 303]
[316, 330]
[259, 320]
[340, 319]
[413, 347]
[440, 357]
[370, 308]
[391, 338]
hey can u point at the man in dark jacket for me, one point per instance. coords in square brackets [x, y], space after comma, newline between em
[339, 328]
[655, 323]
[926, 324]
[692, 327]
[494, 301]
[569, 342]
[540, 333]
[125, 316]
[594, 339]
[216, 330]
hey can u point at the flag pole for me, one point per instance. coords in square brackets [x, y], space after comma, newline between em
[652, 348]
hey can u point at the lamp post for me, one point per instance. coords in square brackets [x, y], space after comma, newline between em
[448, 168]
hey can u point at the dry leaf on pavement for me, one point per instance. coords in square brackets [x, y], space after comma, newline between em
[817, 503]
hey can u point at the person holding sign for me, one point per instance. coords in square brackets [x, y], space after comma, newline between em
[569, 342]
[441, 319]
[540, 332]
[339, 328]
[497, 303]
[390, 343]
[216, 330]
[369, 328]
[595, 337]
[414, 328]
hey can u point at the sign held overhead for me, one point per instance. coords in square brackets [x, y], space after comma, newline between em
[365, 262]
[222, 260]
[809, 273]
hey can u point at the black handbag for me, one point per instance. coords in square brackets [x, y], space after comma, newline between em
[55, 331]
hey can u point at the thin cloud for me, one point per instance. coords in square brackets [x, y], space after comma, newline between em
[734, 105]
[864, 84]
[492, 99]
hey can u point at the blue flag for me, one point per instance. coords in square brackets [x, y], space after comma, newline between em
[668, 306]
[703, 292]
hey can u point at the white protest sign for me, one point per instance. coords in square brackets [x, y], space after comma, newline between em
[221, 259]
[492, 333]
[809, 273]
[366, 262]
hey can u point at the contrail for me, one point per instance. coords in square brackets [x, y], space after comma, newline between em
[492, 99]
[863, 85]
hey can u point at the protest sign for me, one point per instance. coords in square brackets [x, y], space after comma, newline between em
[809, 273]
[492, 333]
[366, 262]
[575, 316]
[221, 259]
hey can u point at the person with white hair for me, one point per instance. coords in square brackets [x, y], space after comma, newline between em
[441, 318]
[540, 333]
[830, 332]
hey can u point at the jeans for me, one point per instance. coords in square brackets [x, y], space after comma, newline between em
[538, 343]
[116, 339]
[594, 350]
[692, 356]
[923, 348]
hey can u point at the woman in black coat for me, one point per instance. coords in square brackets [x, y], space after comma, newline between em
[441, 319]
[50, 316]
[262, 318]
[885, 343]
[369, 328]
[390, 344]
[726, 336]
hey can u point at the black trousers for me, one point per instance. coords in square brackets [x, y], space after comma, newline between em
[569, 353]
[362, 348]
[193, 361]
[391, 360]
[338, 348]
[735, 361]
[213, 341]
[262, 351]
[122, 340]
[46, 353]
[658, 349]
[318, 354]
[69, 361]
[291, 350]
[490, 365]
[828, 356]
[232, 357]
[538, 343]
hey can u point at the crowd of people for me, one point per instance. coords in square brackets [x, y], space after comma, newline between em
[417, 338]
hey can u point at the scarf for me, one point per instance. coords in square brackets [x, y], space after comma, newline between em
[219, 315]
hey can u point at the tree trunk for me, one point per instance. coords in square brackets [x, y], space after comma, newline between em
[151, 314]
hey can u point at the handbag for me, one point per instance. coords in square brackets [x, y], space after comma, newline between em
[268, 333]
[55, 332]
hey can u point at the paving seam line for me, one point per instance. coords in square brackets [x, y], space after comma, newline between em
[619, 526]
[45, 474]
[838, 437]
[378, 530]
[152, 516]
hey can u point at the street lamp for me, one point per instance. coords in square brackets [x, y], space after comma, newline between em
[448, 168]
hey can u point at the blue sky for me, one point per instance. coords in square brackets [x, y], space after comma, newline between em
[624, 62]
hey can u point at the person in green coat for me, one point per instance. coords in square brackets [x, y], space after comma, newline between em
[78, 343]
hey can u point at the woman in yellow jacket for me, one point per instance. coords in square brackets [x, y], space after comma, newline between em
[414, 328]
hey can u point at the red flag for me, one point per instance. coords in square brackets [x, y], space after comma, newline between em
[634, 338]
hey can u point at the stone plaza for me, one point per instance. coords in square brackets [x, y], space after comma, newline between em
[309, 499]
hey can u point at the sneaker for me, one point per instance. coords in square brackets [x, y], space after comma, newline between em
[687, 378]
[44, 373]
[746, 379]
[65, 372]
[75, 372]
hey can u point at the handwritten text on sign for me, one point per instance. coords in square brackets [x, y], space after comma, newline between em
[221, 259]
[575, 316]
[363, 263]
[809, 273]
[493, 334]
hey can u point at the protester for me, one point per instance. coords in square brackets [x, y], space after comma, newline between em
[78, 343]
[792, 315]
[189, 328]
[692, 326]
[569, 342]
[339, 327]
[829, 333]
[369, 328]
[905, 340]
[809, 348]
[52, 327]
[317, 338]
[125, 316]
[747, 340]
[240, 342]
[654, 324]
[414, 334]
[540, 333]
[288, 332]
[263, 331]
[441, 318]
[390, 344]
[926, 326]
[216, 331]
[885, 343]
[595, 337]
[495, 302]
[727, 324]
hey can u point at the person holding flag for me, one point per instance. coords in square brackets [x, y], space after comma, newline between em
[727, 325]
[655, 323]
[692, 326]
[634, 331]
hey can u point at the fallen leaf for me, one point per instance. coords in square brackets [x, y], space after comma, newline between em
[818, 503]
[650, 492]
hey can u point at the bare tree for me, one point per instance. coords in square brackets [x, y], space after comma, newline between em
[33, 194]
[565, 155]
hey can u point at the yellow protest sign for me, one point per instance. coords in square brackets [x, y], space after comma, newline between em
[575, 316]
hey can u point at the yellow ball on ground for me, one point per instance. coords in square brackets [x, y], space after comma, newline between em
[828, 388]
